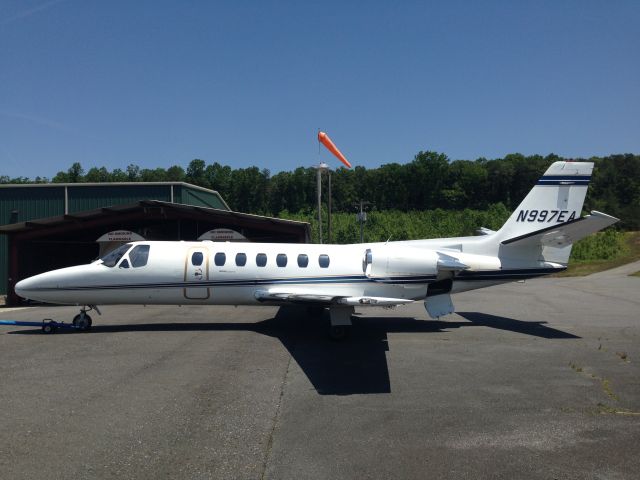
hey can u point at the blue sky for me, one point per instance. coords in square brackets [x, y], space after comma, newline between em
[158, 83]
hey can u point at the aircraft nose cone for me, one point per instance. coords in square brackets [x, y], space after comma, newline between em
[32, 287]
[24, 287]
[49, 286]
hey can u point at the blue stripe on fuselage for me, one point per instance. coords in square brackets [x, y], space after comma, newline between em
[464, 275]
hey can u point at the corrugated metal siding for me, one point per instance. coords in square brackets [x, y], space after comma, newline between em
[4, 264]
[92, 197]
[30, 203]
[198, 198]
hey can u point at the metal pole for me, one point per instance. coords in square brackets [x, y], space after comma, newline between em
[329, 208]
[361, 223]
[319, 203]
[361, 216]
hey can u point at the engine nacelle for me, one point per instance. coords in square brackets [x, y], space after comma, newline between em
[392, 261]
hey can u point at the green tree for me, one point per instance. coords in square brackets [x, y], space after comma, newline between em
[218, 177]
[97, 175]
[133, 173]
[153, 175]
[196, 173]
[75, 173]
[175, 173]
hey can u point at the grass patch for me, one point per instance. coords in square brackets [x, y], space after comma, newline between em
[602, 251]
[637, 274]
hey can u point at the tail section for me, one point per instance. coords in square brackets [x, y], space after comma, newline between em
[556, 198]
[548, 221]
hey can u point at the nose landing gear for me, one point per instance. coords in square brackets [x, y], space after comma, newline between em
[83, 321]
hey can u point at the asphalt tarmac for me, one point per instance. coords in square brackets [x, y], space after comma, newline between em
[535, 380]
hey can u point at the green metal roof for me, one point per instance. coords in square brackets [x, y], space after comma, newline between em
[77, 197]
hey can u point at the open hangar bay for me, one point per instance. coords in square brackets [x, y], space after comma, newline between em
[534, 380]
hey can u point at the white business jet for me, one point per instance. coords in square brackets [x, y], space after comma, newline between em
[536, 240]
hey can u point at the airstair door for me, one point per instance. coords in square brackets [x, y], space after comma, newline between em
[196, 274]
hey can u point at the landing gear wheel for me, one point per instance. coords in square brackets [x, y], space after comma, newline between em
[48, 328]
[339, 332]
[82, 322]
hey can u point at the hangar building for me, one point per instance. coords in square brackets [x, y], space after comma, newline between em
[48, 226]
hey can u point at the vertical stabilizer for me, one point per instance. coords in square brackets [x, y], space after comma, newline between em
[556, 198]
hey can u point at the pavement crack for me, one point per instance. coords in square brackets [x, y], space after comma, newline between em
[276, 419]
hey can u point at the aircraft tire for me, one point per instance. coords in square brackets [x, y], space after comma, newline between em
[82, 322]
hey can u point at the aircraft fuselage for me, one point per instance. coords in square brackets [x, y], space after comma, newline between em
[232, 273]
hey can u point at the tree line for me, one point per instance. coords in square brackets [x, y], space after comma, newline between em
[430, 181]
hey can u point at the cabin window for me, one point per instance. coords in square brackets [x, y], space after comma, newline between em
[323, 260]
[303, 260]
[124, 264]
[241, 259]
[220, 259]
[113, 257]
[197, 258]
[281, 260]
[261, 259]
[139, 256]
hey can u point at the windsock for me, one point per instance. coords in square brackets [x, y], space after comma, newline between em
[324, 139]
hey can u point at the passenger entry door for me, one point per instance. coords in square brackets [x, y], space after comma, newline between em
[196, 271]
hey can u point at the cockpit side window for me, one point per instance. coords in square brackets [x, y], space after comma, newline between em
[113, 257]
[139, 255]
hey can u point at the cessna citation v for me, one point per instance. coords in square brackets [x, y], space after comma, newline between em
[536, 240]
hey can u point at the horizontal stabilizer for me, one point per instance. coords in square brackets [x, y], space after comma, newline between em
[485, 231]
[564, 234]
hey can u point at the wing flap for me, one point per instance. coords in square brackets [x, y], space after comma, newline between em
[374, 301]
[566, 233]
[317, 299]
[293, 297]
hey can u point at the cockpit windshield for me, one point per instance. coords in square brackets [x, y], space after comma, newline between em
[113, 257]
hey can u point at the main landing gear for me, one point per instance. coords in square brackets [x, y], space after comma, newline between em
[340, 318]
[82, 321]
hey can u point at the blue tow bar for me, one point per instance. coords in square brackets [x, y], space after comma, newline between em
[47, 325]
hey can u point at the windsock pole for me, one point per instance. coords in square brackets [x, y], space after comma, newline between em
[324, 139]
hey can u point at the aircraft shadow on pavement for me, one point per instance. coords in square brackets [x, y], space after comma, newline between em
[357, 365]
[536, 329]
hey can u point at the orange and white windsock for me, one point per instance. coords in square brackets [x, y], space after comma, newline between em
[324, 139]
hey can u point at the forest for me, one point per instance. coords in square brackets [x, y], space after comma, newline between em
[426, 197]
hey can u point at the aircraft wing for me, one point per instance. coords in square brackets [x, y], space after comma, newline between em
[305, 297]
[566, 233]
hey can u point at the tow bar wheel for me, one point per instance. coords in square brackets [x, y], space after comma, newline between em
[48, 326]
